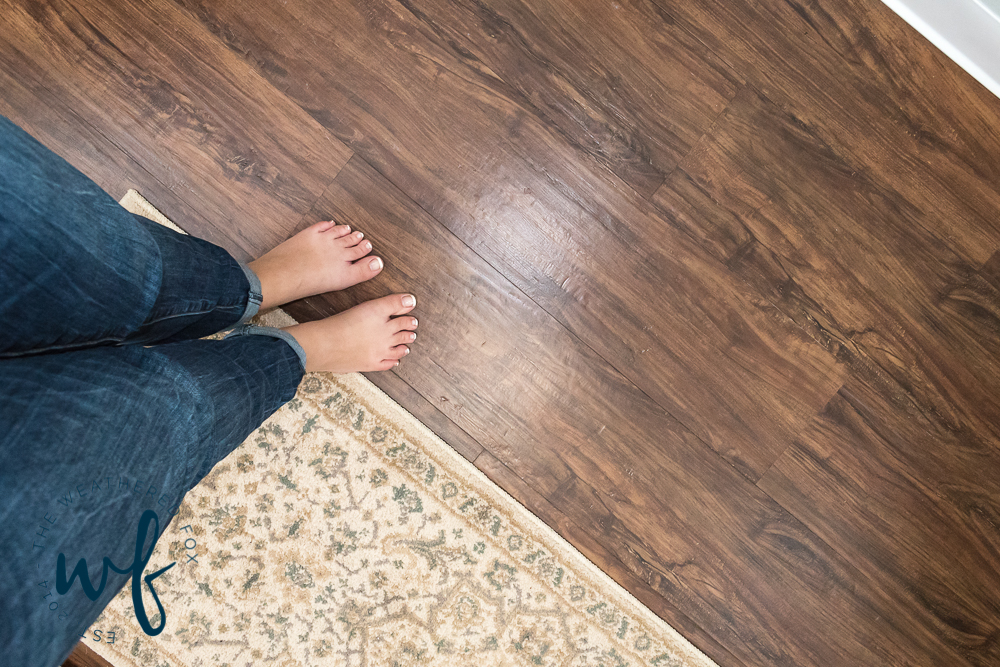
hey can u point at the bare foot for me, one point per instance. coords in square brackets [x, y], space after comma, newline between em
[369, 337]
[321, 258]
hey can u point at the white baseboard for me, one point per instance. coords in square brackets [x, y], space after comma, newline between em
[967, 31]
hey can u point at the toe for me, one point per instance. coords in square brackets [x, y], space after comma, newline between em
[405, 323]
[349, 240]
[386, 364]
[395, 304]
[407, 302]
[398, 352]
[333, 229]
[368, 267]
[359, 250]
[403, 337]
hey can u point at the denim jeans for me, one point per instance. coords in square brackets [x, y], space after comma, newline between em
[110, 405]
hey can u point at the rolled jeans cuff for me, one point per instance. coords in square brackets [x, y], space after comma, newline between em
[256, 296]
[253, 329]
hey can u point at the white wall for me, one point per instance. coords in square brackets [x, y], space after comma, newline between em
[968, 31]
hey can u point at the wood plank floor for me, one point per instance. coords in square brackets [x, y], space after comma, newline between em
[713, 288]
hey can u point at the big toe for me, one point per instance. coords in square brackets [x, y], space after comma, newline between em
[368, 267]
[397, 304]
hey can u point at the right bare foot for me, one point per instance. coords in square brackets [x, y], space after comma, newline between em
[369, 337]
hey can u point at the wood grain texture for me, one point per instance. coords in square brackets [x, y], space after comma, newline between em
[904, 487]
[636, 94]
[544, 405]
[904, 460]
[877, 93]
[61, 129]
[215, 142]
[566, 232]
[990, 271]
[877, 281]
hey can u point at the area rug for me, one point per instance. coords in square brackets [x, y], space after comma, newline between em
[344, 532]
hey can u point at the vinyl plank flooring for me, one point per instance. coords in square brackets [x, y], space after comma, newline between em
[877, 93]
[598, 450]
[899, 472]
[990, 271]
[637, 110]
[428, 414]
[215, 143]
[917, 510]
[847, 257]
[570, 235]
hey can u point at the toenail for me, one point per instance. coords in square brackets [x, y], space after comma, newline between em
[414, 322]
[413, 336]
[406, 351]
[360, 235]
[409, 301]
[375, 264]
[368, 245]
[397, 363]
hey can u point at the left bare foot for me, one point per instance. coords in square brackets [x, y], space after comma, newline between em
[321, 258]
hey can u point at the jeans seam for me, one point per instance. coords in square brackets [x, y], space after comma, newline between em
[255, 296]
[68, 347]
[189, 313]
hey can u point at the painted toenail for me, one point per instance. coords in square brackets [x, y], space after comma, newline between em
[409, 301]
[413, 336]
[360, 235]
[406, 351]
[375, 264]
[414, 322]
[368, 245]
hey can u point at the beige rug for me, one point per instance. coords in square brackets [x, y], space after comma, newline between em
[344, 532]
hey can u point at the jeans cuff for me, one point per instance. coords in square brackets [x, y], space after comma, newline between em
[253, 329]
[256, 296]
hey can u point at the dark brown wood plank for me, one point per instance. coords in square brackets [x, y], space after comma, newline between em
[848, 258]
[559, 226]
[600, 451]
[636, 94]
[909, 502]
[876, 92]
[899, 473]
[216, 144]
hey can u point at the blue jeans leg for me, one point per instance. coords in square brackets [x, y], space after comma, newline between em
[95, 428]
[91, 439]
